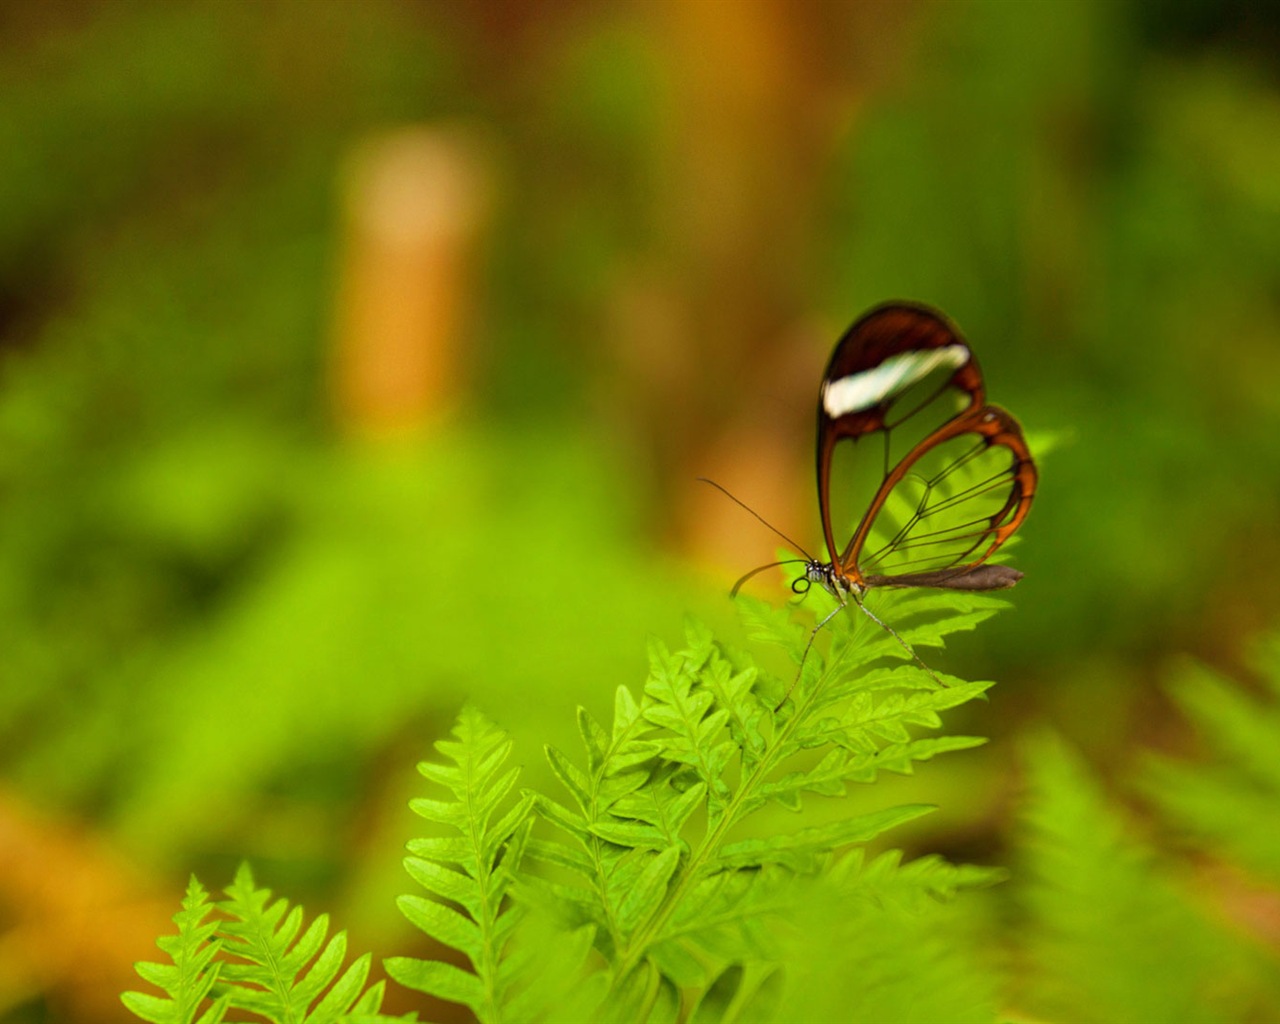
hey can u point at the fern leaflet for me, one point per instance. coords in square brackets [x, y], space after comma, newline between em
[471, 869]
[268, 978]
[193, 972]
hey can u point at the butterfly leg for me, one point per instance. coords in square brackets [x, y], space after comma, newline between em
[893, 633]
[813, 635]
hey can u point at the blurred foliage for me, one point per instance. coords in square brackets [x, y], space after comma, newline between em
[1225, 807]
[1089, 189]
[1111, 936]
[1171, 914]
[641, 909]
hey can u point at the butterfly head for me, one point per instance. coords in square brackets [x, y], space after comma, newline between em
[827, 576]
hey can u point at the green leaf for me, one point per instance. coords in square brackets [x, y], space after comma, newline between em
[443, 924]
[510, 835]
[594, 739]
[650, 887]
[611, 787]
[444, 981]
[439, 811]
[630, 834]
[347, 992]
[573, 780]
[626, 713]
[561, 855]
[561, 816]
[636, 752]
[441, 848]
[800, 849]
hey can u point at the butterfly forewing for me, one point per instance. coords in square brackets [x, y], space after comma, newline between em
[918, 479]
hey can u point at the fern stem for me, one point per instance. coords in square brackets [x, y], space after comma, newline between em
[644, 934]
[488, 969]
[596, 847]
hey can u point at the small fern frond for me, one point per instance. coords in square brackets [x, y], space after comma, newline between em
[471, 868]
[696, 726]
[895, 946]
[283, 975]
[1114, 935]
[921, 882]
[805, 849]
[191, 975]
[925, 618]
[252, 958]
[1228, 804]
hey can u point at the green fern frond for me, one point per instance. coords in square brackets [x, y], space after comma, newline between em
[926, 617]
[891, 949]
[1229, 804]
[252, 958]
[695, 725]
[190, 977]
[918, 883]
[648, 855]
[1114, 937]
[268, 976]
[663, 894]
[472, 869]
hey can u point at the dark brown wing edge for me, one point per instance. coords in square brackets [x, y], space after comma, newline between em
[977, 577]
[996, 427]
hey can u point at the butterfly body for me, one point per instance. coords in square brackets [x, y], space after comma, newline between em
[834, 582]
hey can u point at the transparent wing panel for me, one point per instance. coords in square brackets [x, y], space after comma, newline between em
[945, 510]
[861, 463]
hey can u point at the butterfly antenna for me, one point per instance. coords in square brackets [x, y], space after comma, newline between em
[743, 504]
[759, 569]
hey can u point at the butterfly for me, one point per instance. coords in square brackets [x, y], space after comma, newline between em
[920, 481]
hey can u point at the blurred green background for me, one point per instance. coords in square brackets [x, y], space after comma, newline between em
[357, 359]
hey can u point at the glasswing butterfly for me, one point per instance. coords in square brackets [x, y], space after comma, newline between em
[916, 470]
